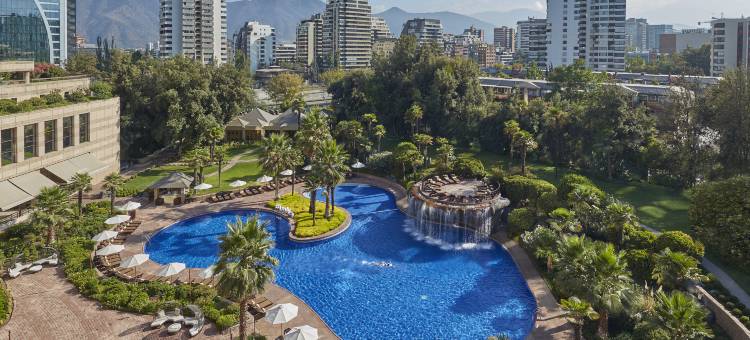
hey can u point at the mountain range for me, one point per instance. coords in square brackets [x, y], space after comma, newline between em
[134, 23]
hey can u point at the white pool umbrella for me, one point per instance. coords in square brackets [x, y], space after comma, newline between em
[130, 206]
[264, 179]
[358, 165]
[302, 333]
[105, 235]
[237, 184]
[207, 273]
[110, 249]
[203, 186]
[171, 269]
[281, 314]
[287, 173]
[307, 168]
[134, 261]
[117, 219]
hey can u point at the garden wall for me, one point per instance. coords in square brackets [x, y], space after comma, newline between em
[728, 322]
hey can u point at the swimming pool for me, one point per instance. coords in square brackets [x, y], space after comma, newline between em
[376, 280]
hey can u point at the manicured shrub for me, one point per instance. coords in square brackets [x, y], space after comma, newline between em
[381, 163]
[736, 312]
[469, 167]
[640, 263]
[569, 182]
[78, 96]
[679, 241]
[5, 305]
[639, 238]
[744, 319]
[225, 321]
[537, 194]
[520, 220]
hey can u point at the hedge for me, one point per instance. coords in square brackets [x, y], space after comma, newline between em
[142, 298]
[540, 194]
[640, 264]
[569, 182]
[679, 241]
[521, 220]
[5, 304]
[469, 167]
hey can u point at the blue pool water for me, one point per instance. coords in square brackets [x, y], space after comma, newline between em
[427, 293]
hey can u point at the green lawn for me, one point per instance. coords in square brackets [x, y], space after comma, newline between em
[305, 227]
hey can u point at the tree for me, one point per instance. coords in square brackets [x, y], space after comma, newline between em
[446, 154]
[285, 89]
[215, 134]
[197, 159]
[618, 217]
[573, 80]
[679, 316]
[244, 266]
[379, 133]
[274, 152]
[556, 123]
[313, 182]
[673, 269]
[313, 132]
[370, 119]
[112, 183]
[511, 130]
[533, 72]
[526, 142]
[220, 155]
[578, 312]
[423, 142]
[728, 112]
[82, 63]
[350, 132]
[51, 210]
[413, 116]
[80, 183]
[407, 154]
[332, 168]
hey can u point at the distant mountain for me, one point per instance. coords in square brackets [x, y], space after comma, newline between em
[452, 22]
[133, 23]
[509, 18]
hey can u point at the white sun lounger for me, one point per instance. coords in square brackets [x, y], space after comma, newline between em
[52, 261]
[160, 319]
[197, 322]
[17, 269]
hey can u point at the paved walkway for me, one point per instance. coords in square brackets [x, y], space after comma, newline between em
[726, 280]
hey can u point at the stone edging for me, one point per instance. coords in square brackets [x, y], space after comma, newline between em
[10, 300]
[327, 236]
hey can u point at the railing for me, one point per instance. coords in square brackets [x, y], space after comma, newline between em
[43, 80]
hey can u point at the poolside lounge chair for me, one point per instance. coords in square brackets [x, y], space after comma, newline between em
[197, 321]
[160, 319]
[17, 269]
[51, 260]
[35, 268]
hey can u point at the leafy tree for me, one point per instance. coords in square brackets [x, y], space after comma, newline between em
[379, 133]
[533, 72]
[542, 242]
[82, 63]
[557, 123]
[573, 80]
[413, 116]
[112, 183]
[332, 76]
[197, 159]
[370, 119]
[446, 154]
[578, 312]
[351, 133]
[618, 216]
[332, 168]
[673, 269]
[274, 153]
[244, 266]
[51, 210]
[423, 142]
[469, 167]
[215, 134]
[525, 141]
[407, 154]
[511, 130]
[285, 89]
[220, 157]
[313, 132]
[80, 183]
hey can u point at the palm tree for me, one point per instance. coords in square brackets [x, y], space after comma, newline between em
[369, 119]
[578, 312]
[244, 266]
[197, 159]
[274, 152]
[511, 129]
[112, 183]
[611, 285]
[680, 316]
[80, 183]
[332, 168]
[215, 134]
[313, 182]
[527, 143]
[672, 269]
[557, 120]
[619, 215]
[379, 133]
[413, 116]
[423, 142]
[313, 132]
[293, 159]
[51, 209]
[220, 155]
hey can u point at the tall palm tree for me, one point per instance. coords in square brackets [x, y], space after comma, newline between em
[80, 183]
[244, 266]
[680, 316]
[313, 132]
[578, 312]
[510, 129]
[313, 182]
[618, 215]
[197, 159]
[413, 116]
[112, 183]
[332, 168]
[293, 160]
[526, 142]
[51, 210]
[220, 156]
[379, 133]
[274, 153]
[611, 285]
[215, 134]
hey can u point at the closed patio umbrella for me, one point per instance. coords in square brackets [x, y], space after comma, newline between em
[287, 173]
[358, 165]
[237, 184]
[134, 261]
[171, 269]
[264, 179]
[281, 314]
[203, 186]
[307, 168]
[114, 220]
[105, 235]
[130, 206]
[110, 249]
[302, 333]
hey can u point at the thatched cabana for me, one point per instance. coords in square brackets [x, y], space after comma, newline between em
[172, 188]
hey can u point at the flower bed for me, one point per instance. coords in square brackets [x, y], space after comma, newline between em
[304, 220]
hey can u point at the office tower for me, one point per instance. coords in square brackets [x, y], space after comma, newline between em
[380, 29]
[636, 34]
[592, 30]
[258, 42]
[285, 53]
[474, 32]
[196, 29]
[532, 41]
[731, 45]
[42, 31]
[425, 30]
[654, 32]
[347, 34]
[505, 39]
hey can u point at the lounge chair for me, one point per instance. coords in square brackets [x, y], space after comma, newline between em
[197, 321]
[160, 319]
[175, 316]
[52, 260]
[17, 269]
[35, 268]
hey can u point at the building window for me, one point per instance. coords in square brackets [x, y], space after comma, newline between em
[8, 146]
[29, 141]
[67, 132]
[83, 128]
[50, 133]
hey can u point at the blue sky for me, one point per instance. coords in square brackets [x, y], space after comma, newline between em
[685, 12]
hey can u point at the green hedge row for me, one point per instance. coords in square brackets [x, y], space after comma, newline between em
[5, 305]
[142, 298]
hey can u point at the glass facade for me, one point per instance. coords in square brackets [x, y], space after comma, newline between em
[8, 146]
[29, 141]
[39, 30]
[84, 133]
[50, 134]
[67, 132]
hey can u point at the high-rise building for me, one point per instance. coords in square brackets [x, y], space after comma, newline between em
[425, 30]
[591, 30]
[42, 31]
[636, 34]
[285, 53]
[679, 42]
[196, 29]
[731, 45]
[310, 39]
[380, 29]
[505, 39]
[483, 54]
[258, 42]
[654, 32]
[531, 42]
[347, 34]
[475, 32]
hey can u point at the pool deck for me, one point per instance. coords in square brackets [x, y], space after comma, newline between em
[550, 319]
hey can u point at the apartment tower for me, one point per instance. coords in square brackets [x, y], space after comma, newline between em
[196, 29]
[425, 30]
[258, 42]
[505, 39]
[531, 42]
[347, 34]
[731, 45]
[310, 39]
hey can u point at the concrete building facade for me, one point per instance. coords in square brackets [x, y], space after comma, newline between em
[505, 39]
[730, 48]
[309, 39]
[636, 34]
[347, 34]
[532, 41]
[426, 31]
[285, 53]
[196, 29]
[258, 42]
[380, 29]
[654, 33]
